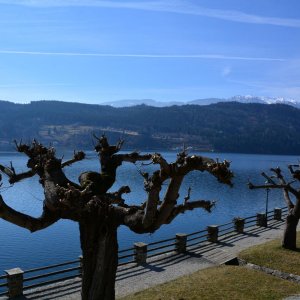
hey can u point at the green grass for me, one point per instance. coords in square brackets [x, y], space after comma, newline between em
[273, 256]
[224, 282]
[234, 282]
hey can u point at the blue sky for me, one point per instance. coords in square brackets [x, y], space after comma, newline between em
[95, 51]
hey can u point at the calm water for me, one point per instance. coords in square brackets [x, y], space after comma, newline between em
[60, 242]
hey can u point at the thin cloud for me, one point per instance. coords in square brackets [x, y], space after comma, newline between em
[166, 56]
[26, 85]
[181, 7]
[226, 71]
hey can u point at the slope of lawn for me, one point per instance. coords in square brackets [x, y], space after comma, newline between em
[235, 282]
[273, 256]
[223, 282]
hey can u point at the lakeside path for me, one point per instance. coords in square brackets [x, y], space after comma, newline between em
[132, 278]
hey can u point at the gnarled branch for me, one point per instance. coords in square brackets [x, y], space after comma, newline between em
[182, 208]
[278, 181]
[13, 177]
[78, 156]
[32, 224]
[155, 216]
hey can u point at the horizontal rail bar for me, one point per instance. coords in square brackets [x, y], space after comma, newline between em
[250, 221]
[126, 263]
[247, 218]
[125, 250]
[226, 229]
[26, 287]
[233, 231]
[126, 256]
[3, 293]
[193, 244]
[162, 241]
[160, 253]
[161, 247]
[249, 225]
[3, 277]
[226, 224]
[197, 232]
[197, 237]
[51, 274]
[52, 266]
[3, 284]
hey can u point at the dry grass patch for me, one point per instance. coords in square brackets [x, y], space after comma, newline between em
[273, 256]
[224, 282]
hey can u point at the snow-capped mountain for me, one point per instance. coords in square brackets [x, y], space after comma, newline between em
[133, 102]
[265, 100]
[206, 101]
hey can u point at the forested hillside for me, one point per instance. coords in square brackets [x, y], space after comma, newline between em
[228, 127]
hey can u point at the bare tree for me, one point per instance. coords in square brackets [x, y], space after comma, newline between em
[278, 181]
[99, 212]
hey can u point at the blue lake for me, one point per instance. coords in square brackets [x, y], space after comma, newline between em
[60, 242]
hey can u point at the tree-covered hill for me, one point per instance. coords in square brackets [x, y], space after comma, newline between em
[228, 127]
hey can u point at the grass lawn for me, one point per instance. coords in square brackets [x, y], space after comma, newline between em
[224, 282]
[234, 282]
[273, 256]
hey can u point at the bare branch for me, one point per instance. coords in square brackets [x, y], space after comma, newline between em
[188, 196]
[180, 209]
[295, 173]
[269, 179]
[133, 157]
[287, 199]
[7, 171]
[154, 216]
[13, 177]
[78, 156]
[116, 197]
[169, 202]
[186, 164]
[120, 144]
[26, 221]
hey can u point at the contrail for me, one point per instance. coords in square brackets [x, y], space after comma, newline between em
[174, 6]
[166, 56]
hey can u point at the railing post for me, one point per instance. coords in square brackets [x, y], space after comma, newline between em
[261, 220]
[14, 282]
[239, 224]
[277, 213]
[212, 231]
[180, 246]
[140, 252]
[80, 264]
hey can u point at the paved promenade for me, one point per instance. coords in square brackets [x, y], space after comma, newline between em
[132, 278]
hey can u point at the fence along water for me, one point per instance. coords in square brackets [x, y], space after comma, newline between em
[15, 281]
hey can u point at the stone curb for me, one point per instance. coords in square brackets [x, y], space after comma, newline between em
[276, 273]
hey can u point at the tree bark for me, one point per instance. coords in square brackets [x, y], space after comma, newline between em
[290, 232]
[100, 258]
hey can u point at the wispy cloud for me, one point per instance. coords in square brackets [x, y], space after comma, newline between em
[226, 71]
[175, 6]
[28, 85]
[187, 56]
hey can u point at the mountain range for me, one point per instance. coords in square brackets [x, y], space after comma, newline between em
[205, 101]
[225, 127]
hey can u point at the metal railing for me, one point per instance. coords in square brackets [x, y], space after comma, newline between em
[138, 254]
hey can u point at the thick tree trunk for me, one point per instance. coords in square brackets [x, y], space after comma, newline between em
[100, 258]
[290, 232]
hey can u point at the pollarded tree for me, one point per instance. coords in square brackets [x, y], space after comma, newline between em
[278, 181]
[99, 212]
